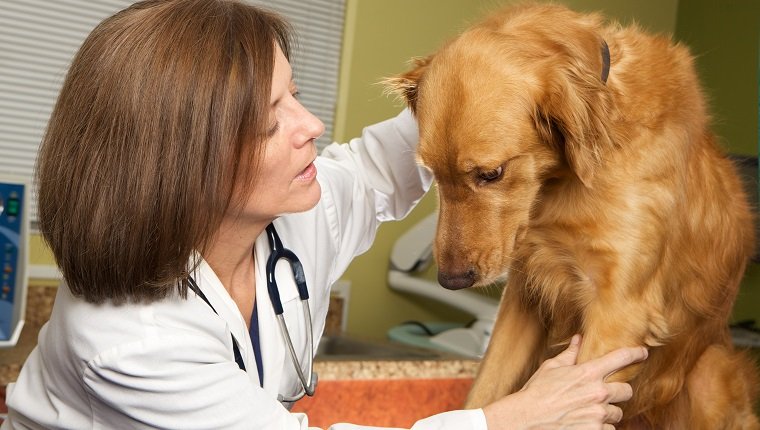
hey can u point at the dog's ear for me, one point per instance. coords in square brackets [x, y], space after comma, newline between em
[576, 112]
[405, 85]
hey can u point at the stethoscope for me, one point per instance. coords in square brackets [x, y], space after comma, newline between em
[308, 382]
[308, 385]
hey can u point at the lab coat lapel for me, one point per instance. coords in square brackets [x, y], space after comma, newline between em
[226, 308]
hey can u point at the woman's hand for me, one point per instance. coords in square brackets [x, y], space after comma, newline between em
[566, 395]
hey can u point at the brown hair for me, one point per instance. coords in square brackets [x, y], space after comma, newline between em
[163, 111]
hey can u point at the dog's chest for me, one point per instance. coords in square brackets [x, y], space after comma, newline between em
[560, 281]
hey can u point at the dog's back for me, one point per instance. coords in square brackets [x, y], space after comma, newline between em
[588, 149]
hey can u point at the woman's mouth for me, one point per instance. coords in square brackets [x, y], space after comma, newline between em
[307, 174]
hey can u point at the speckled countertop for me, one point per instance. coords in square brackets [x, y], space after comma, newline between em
[39, 303]
[395, 369]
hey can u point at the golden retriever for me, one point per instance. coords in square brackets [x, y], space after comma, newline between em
[575, 158]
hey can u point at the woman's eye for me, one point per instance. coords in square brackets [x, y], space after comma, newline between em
[490, 175]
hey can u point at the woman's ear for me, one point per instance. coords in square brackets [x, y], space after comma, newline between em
[406, 84]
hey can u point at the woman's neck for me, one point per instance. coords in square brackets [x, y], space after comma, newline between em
[231, 256]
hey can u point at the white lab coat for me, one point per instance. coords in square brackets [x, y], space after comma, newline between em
[170, 364]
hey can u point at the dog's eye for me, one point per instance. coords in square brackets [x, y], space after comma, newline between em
[490, 175]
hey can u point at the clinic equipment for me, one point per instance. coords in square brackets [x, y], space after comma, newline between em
[280, 252]
[413, 253]
[14, 242]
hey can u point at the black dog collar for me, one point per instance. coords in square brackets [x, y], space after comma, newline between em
[605, 61]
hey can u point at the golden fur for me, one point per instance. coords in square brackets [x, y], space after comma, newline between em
[608, 204]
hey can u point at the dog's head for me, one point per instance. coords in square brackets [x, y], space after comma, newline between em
[508, 107]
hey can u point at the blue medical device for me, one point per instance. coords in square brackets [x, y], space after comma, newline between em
[14, 241]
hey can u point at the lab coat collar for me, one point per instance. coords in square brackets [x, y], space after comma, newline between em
[226, 308]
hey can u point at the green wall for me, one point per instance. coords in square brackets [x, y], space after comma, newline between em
[724, 38]
[380, 38]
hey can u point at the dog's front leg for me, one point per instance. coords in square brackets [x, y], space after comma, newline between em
[605, 331]
[513, 351]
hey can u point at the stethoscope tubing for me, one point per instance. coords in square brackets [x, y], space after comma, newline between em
[278, 252]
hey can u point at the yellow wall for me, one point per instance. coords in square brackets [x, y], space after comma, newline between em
[380, 38]
[40, 255]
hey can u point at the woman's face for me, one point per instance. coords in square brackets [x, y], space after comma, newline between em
[287, 181]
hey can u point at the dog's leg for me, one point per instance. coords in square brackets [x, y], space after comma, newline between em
[512, 354]
[721, 390]
[603, 333]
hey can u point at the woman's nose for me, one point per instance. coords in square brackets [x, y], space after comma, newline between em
[317, 127]
[312, 126]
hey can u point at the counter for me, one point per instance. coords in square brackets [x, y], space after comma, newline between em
[388, 393]
[39, 304]
[368, 369]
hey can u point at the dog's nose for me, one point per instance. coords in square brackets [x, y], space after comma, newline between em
[456, 281]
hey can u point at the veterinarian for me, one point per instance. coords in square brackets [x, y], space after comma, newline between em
[176, 162]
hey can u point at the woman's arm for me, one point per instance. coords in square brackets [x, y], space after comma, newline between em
[371, 179]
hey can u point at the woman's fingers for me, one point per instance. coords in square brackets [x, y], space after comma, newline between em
[569, 356]
[619, 392]
[601, 414]
[613, 361]
[614, 414]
